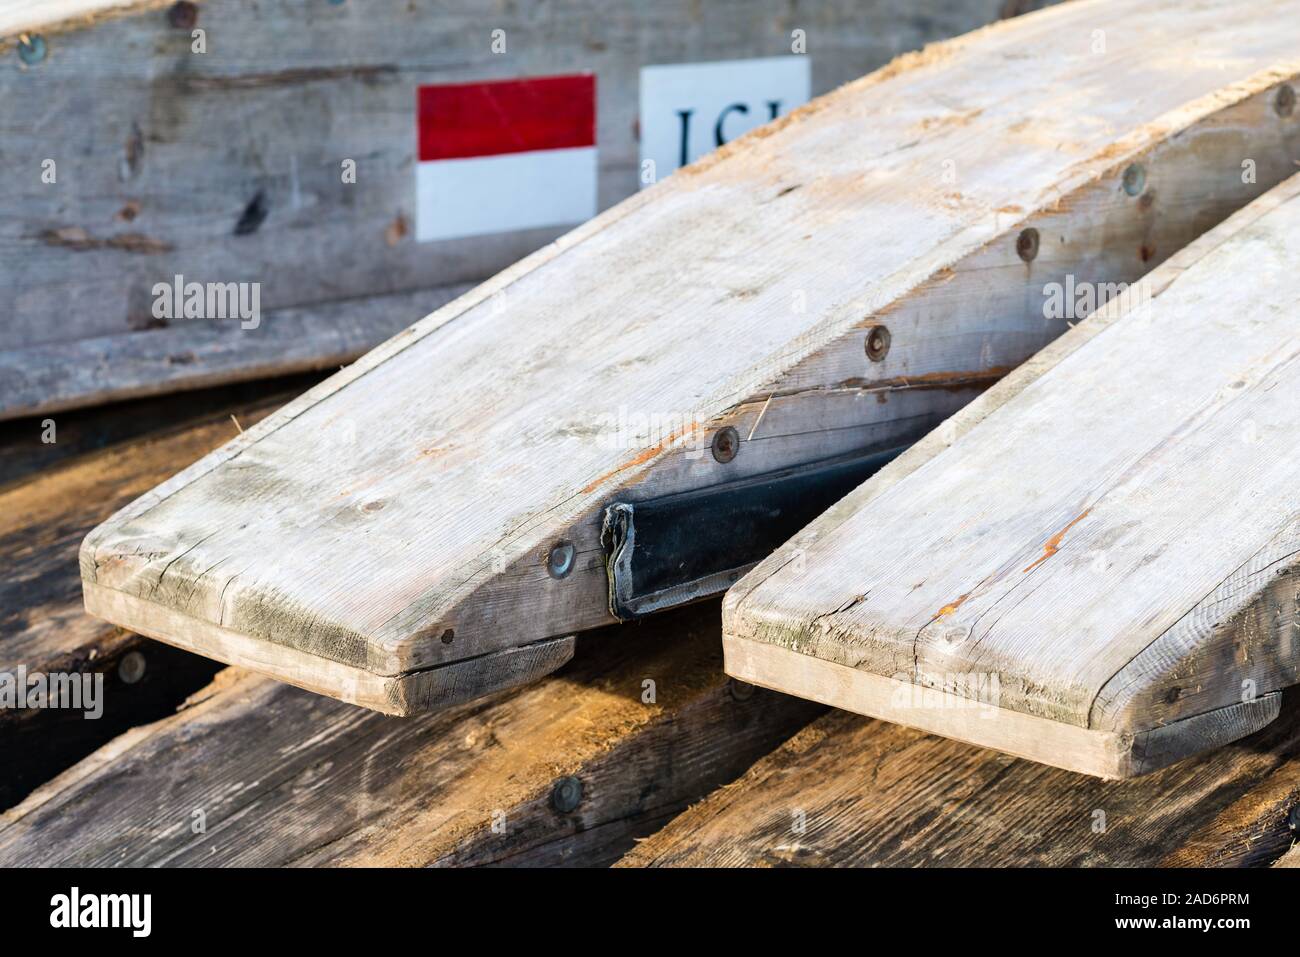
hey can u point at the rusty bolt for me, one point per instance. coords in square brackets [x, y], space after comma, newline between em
[1284, 102]
[877, 345]
[566, 794]
[448, 636]
[183, 15]
[1027, 244]
[726, 443]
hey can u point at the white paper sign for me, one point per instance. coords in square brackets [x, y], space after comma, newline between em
[690, 109]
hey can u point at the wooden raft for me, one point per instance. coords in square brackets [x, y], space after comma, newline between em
[1102, 572]
[429, 524]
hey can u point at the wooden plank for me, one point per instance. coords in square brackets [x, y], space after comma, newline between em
[851, 791]
[401, 516]
[43, 627]
[1141, 627]
[644, 719]
[25, 449]
[55, 376]
[1253, 830]
[226, 165]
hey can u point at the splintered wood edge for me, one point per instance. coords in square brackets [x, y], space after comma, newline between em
[401, 695]
[1104, 754]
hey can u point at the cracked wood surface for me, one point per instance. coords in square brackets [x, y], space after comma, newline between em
[398, 517]
[644, 718]
[44, 513]
[853, 791]
[1111, 541]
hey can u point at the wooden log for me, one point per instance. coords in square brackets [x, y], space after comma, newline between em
[851, 791]
[44, 629]
[226, 165]
[816, 289]
[1142, 626]
[567, 771]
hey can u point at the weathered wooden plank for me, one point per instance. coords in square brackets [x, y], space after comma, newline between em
[644, 720]
[226, 165]
[43, 627]
[55, 376]
[1253, 830]
[853, 791]
[404, 514]
[1107, 561]
[25, 447]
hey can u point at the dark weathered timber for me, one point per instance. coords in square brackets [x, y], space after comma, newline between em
[869, 793]
[284, 777]
[43, 627]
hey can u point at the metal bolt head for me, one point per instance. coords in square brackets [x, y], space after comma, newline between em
[131, 668]
[183, 15]
[566, 794]
[560, 559]
[877, 345]
[1027, 244]
[31, 49]
[1135, 179]
[726, 443]
[1284, 101]
[740, 690]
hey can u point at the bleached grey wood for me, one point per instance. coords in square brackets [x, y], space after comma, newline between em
[161, 153]
[1114, 538]
[53, 377]
[399, 516]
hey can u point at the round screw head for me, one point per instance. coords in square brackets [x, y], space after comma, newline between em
[566, 794]
[1284, 101]
[726, 443]
[877, 345]
[1135, 179]
[1027, 244]
[559, 561]
[131, 668]
[31, 49]
[740, 690]
[183, 15]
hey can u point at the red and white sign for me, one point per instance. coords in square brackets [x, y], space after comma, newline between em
[505, 155]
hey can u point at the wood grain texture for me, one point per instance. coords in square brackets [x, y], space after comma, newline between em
[289, 778]
[853, 791]
[226, 165]
[420, 491]
[56, 376]
[1066, 545]
[43, 627]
